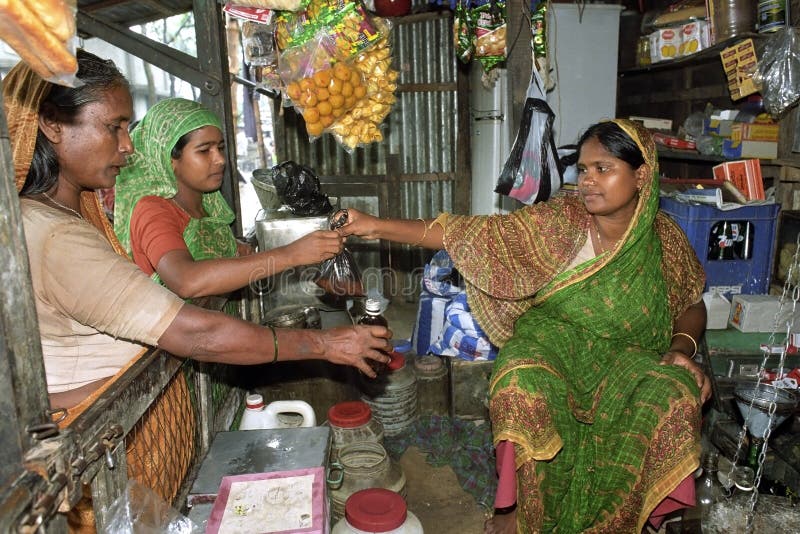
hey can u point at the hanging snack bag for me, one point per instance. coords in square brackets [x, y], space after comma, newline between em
[539, 30]
[490, 32]
[258, 41]
[373, 102]
[255, 14]
[463, 32]
[275, 5]
[319, 86]
[345, 21]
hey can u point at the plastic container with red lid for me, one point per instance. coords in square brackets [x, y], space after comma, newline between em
[392, 395]
[377, 510]
[352, 421]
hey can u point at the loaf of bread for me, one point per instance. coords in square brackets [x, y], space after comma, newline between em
[39, 47]
[57, 16]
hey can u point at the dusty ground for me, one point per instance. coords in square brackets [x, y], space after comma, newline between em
[437, 499]
[434, 494]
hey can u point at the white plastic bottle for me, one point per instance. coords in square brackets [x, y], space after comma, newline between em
[377, 510]
[256, 416]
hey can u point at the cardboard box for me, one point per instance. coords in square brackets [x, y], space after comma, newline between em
[739, 62]
[695, 36]
[720, 127]
[653, 123]
[756, 313]
[718, 310]
[741, 131]
[279, 502]
[749, 149]
[672, 141]
[469, 388]
[664, 44]
[745, 175]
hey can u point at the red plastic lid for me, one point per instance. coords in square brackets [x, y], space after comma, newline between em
[254, 401]
[397, 361]
[349, 414]
[375, 510]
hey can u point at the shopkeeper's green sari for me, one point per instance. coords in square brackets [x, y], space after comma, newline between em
[602, 433]
[149, 172]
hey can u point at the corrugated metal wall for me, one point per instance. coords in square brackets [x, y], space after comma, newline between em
[422, 166]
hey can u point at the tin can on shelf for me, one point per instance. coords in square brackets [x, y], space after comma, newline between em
[771, 15]
[433, 386]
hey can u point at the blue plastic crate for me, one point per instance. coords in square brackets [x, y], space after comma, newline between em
[748, 269]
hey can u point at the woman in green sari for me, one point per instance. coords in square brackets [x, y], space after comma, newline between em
[595, 302]
[173, 221]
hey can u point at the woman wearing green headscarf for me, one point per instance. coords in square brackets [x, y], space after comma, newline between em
[595, 302]
[171, 218]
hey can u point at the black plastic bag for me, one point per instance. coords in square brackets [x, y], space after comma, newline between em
[299, 189]
[533, 172]
[340, 275]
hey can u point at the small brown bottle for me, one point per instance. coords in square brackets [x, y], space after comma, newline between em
[372, 315]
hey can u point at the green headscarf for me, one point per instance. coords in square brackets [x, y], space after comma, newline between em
[149, 172]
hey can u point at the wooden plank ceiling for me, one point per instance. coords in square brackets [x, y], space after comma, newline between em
[132, 12]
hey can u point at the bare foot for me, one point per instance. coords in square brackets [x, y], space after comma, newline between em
[501, 524]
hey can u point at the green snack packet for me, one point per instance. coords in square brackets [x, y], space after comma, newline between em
[463, 33]
[490, 33]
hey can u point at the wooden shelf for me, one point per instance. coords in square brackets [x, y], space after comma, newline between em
[710, 53]
[687, 155]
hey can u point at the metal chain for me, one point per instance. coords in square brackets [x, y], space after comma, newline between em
[789, 287]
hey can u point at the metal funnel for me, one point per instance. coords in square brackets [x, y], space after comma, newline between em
[758, 419]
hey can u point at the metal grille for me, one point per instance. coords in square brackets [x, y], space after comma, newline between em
[163, 445]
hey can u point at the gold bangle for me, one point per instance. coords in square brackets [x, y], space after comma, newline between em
[274, 343]
[694, 343]
[424, 233]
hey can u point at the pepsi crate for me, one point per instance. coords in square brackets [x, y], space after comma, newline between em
[736, 247]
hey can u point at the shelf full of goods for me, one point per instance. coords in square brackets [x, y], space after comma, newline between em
[330, 60]
[759, 70]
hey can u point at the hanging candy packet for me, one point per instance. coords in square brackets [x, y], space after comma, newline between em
[321, 87]
[489, 18]
[374, 99]
[463, 33]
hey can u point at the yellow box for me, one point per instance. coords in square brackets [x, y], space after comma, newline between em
[741, 131]
[740, 62]
[694, 37]
[664, 44]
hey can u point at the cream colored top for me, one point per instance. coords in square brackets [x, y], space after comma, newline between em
[94, 306]
[586, 253]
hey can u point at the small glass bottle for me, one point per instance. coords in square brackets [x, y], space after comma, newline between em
[372, 315]
[708, 488]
